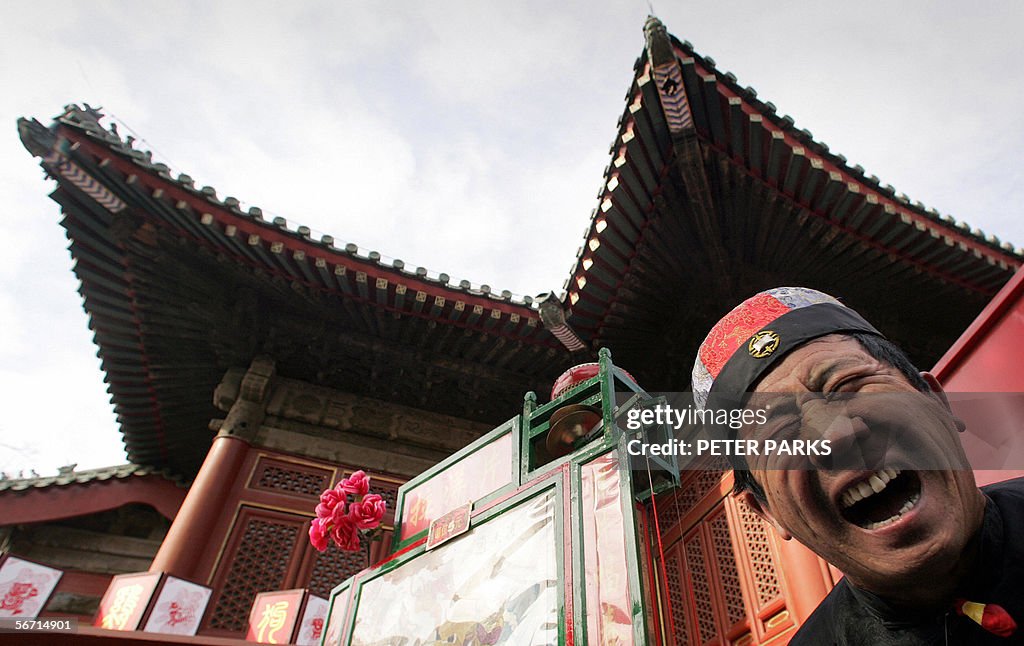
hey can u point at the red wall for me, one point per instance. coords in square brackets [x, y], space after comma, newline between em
[989, 358]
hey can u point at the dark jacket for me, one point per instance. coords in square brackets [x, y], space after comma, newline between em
[852, 617]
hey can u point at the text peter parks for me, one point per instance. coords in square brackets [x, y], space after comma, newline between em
[674, 418]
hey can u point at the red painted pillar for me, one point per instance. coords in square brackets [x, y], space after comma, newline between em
[807, 579]
[244, 397]
[190, 532]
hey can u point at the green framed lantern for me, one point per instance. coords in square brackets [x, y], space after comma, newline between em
[533, 534]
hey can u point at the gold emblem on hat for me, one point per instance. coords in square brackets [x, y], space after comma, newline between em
[763, 344]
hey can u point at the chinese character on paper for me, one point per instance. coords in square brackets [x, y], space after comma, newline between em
[123, 607]
[274, 616]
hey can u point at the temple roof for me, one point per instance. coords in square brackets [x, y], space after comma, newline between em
[180, 286]
[709, 197]
[70, 493]
[69, 476]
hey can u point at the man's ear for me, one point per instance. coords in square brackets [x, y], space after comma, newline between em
[750, 500]
[940, 393]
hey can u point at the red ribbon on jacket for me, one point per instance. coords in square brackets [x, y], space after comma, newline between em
[990, 616]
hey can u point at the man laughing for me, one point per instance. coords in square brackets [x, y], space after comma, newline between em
[928, 558]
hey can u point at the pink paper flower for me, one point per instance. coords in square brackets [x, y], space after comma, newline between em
[329, 500]
[345, 535]
[357, 484]
[342, 520]
[318, 534]
[338, 516]
[368, 513]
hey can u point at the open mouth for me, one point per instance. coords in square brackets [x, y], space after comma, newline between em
[881, 499]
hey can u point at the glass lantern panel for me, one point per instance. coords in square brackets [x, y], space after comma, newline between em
[496, 584]
[468, 480]
[606, 565]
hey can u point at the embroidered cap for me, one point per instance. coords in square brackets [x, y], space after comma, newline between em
[757, 332]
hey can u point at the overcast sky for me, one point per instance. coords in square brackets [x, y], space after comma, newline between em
[466, 137]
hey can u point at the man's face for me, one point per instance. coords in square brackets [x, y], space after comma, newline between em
[891, 524]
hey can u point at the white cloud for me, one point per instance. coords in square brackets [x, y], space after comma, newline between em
[466, 137]
[56, 411]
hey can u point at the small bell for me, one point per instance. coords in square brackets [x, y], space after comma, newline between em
[568, 424]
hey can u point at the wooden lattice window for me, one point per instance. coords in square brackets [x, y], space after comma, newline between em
[728, 572]
[294, 479]
[260, 562]
[700, 587]
[677, 598]
[389, 493]
[333, 567]
[721, 579]
[671, 509]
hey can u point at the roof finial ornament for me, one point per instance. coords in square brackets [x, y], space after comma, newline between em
[85, 116]
[93, 112]
[37, 138]
[659, 46]
[552, 315]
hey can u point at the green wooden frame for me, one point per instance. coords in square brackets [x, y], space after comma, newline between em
[339, 592]
[553, 482]
[511, 427]
[527, 479]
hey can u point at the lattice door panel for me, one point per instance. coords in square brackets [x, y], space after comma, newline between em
[673, 508]
[721, 581]
[729, 589]
[700, 581]
[767, 596]
[332, 567]
[722, 577]
[678, 597]
[261, 554]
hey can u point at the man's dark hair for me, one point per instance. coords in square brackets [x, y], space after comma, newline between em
[879, 348]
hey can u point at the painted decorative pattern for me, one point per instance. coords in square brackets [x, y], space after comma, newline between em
[673, 97]
[88, 185]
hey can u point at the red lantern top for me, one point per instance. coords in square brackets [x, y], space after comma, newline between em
[577, 375]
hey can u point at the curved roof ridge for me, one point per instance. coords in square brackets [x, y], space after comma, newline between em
[87, 120]
[708, 187]
[68, 476]
[806, 137]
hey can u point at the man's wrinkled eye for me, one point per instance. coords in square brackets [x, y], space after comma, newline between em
[837, 390]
